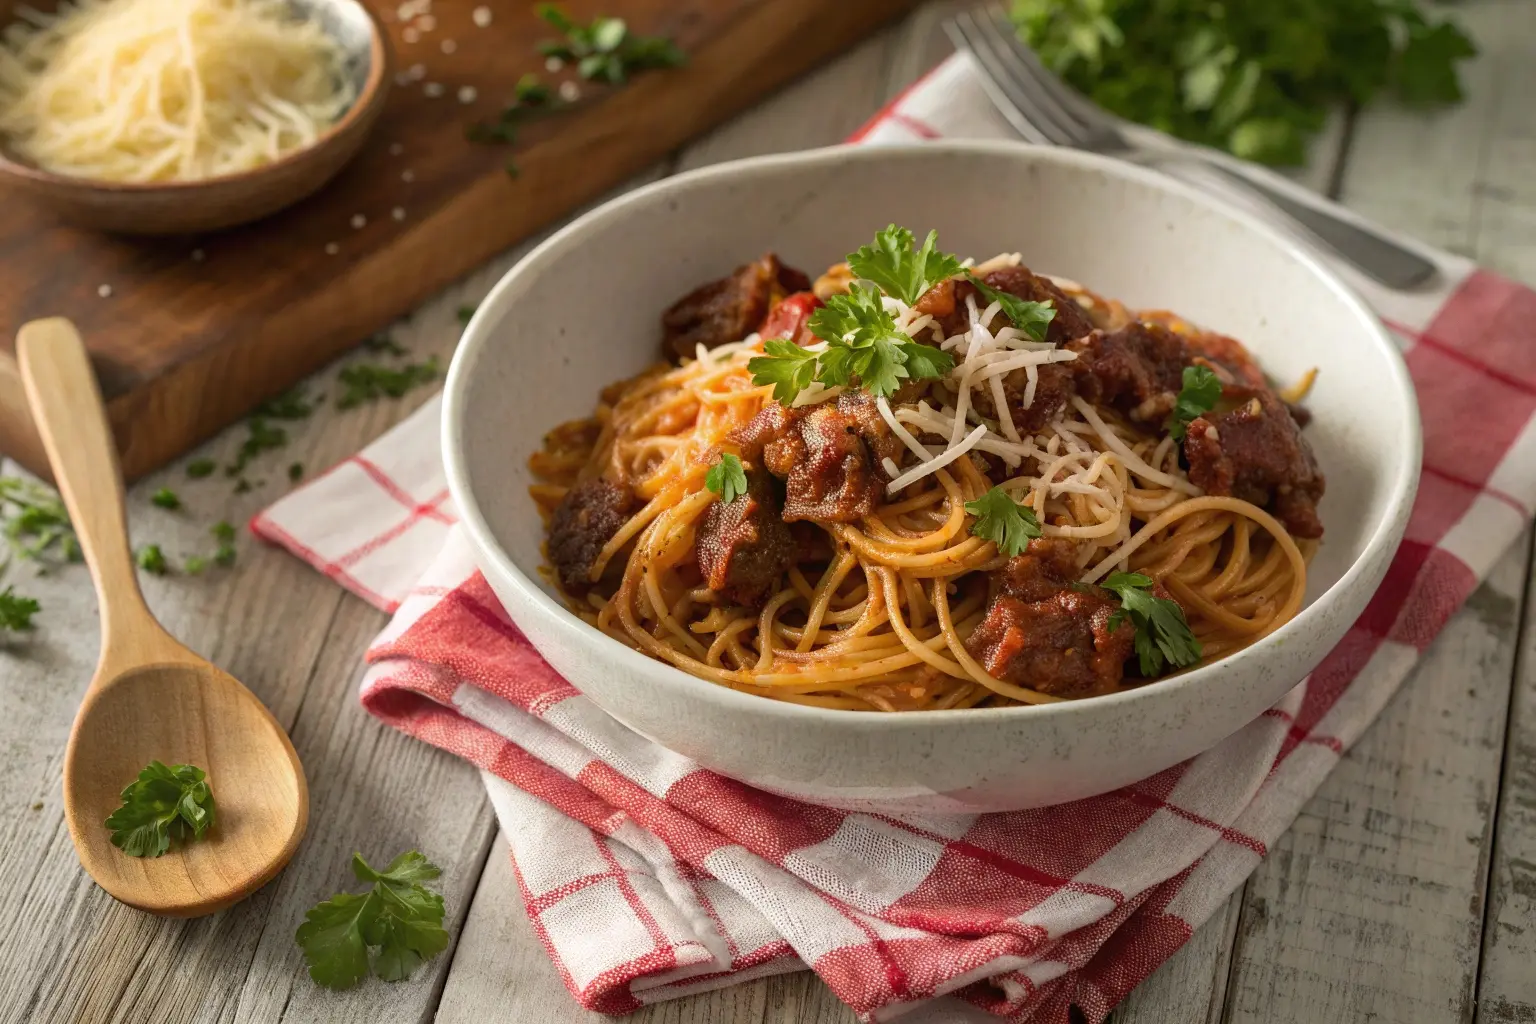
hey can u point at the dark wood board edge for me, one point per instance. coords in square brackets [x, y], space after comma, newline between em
[763, 50]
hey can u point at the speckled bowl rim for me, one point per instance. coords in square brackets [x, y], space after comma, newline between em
[480, 332]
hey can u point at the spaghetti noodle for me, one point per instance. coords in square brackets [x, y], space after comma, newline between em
[906, 606]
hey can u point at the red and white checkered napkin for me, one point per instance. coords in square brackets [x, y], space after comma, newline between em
[648, 878]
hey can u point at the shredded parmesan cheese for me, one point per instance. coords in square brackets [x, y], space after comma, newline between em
[167, 90]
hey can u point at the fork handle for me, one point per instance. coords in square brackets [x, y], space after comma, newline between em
[1375, 255]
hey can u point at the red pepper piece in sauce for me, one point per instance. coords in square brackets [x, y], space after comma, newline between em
[790, 318]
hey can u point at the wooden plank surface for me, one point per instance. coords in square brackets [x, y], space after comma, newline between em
[183, 348]
[1383, 874]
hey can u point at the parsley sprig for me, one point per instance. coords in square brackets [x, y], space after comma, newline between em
[163, 804]
[1163, 636]
[1198, 396]
[727, 478]
[398, 917]
[898, 268]
[1003, 521]
[863, 342]
[1256, 79]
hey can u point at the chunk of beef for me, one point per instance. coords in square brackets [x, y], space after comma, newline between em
[791, 319]
[1045, 567]
[1138, 369]
[728, 309]
[831, 473]
[1254, 450]
[583, 523]
[946, 302]
[772, 422]
[743, 547]
[862, 408]
[1060, 644]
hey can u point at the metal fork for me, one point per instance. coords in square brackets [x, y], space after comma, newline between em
[1044, 109]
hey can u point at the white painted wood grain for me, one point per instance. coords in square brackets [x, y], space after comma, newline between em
[1370, 907]
[1506, 990]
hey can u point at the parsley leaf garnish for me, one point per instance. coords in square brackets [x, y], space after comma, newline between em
[1198, 396]
[165, 498]
[863, 341]
[1162, 633]
[785, 365]
[16, 610]
[163, 804]
[398, 916]
[199, 468]
[1033, 318]
[727, 479]
[899, 270]
[1003, 521]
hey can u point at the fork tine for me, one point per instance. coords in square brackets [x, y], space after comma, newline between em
[997, 79]
[1031, 77]
[1073, 105]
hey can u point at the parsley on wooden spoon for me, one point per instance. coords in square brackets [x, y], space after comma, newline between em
[150, 697]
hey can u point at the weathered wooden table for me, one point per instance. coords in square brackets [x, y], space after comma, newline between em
[1406, 891]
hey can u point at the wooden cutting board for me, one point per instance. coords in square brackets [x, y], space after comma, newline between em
[184, 346]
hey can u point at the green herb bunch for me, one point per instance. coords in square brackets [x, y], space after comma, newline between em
[1254, 77]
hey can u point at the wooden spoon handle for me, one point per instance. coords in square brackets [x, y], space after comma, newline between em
[66, 406]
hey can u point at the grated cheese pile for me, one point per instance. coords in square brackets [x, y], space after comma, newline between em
[1059, 460]
[166, 90]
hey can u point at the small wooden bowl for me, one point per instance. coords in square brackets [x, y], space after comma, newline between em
[194, 207]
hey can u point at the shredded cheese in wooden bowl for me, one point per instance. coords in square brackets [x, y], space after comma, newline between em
[167, 90]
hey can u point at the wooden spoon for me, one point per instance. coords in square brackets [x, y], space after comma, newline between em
[151, 698]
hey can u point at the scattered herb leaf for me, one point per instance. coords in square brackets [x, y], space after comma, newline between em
[162, 805]
[466, 313]
[1003, 521]
[1198, 396]
[193, 565]
[366, 382]
[398, 917]
[261, 436]
[224, 555]
[293, 404]
[296, 471]
[384, 342]
[152, 560]
[16, 610]
[35, 523]
[605, 50]
[727, 478]
[1162, 633]
[165, 498]
[199, 468]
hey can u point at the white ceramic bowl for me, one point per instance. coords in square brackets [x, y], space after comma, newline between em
[581, 311]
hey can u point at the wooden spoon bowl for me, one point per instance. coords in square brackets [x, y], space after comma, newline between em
[162, 712]
[151, 699]
[194, 207]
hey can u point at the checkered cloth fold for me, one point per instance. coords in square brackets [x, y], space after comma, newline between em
[648, 878]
